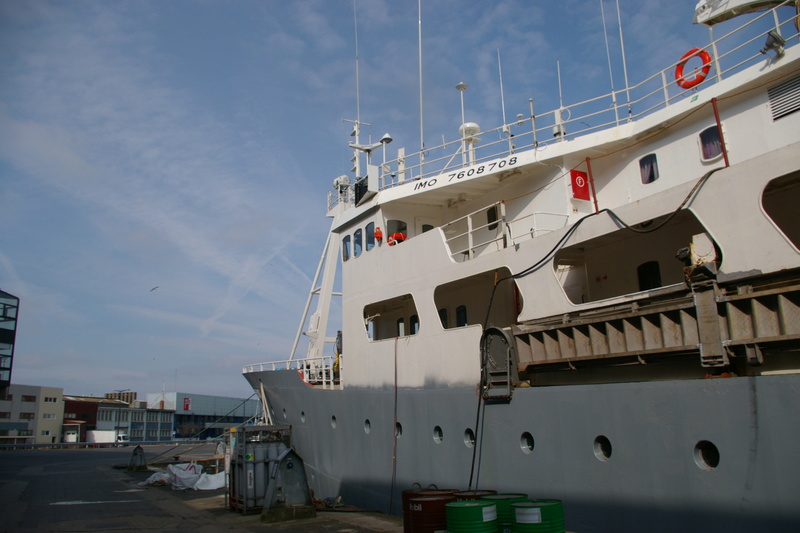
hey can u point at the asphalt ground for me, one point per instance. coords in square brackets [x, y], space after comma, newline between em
[91, 490]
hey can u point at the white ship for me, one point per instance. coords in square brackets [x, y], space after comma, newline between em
[606, 315]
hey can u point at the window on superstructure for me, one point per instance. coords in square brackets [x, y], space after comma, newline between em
[370, 241]
[28, 398]
[710, 143]
[387, 319]
[346, 248]
[414, 324]
[648, 167]
[357, 242]
[396, 226]
[461, 316]
[443, 317]
[649, 275]
[491, 217]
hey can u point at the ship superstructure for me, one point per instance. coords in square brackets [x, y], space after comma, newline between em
[607, 314]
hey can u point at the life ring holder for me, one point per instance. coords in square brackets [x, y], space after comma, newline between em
[699, 76]
[394, 238]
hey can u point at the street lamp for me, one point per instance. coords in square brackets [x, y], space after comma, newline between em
[118, 393]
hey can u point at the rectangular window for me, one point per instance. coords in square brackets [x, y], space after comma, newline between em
[28, 398]
[48, 416]
[461, 316]
[710, 143]
[370, 242]
[648, 167]
[27, 416]
[45, 432]
[357, 242]
[5, 414]
[70, 416]
[346, 248]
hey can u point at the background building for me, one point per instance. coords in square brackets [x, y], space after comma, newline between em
[198, 416]
[9, 306]
[31, 415]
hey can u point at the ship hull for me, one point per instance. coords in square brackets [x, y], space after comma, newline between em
[694, 455]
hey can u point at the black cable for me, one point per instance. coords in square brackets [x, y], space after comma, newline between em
[479, 419]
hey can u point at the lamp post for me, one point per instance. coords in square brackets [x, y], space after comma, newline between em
[116, 424]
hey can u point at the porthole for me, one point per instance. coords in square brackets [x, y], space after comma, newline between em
[302, 416]
[469, 438]
[398, 430]
[333, 422]
[367, 426]
[526, 442]
[602, 448]
[706, 455]
[438, 435]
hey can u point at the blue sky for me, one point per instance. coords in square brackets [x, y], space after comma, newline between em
[189, 146]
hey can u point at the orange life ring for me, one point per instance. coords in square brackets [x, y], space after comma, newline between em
[394, 238]
[699, 76]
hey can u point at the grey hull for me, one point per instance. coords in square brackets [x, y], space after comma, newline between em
[648, 474]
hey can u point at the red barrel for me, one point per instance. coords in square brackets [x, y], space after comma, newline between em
[428, 514]
[419, 493]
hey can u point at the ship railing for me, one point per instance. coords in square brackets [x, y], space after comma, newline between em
[488, 230]
[317, 371]
[734, 51]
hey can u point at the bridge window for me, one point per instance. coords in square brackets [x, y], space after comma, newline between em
[370, 243]
[346, 248]
[357, 242]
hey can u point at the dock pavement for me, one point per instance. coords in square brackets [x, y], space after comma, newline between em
[92, 490]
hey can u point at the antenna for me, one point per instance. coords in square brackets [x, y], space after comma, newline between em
[358, 90]
[624, 63]
[419, 48]
[610, 73]
[502, 94]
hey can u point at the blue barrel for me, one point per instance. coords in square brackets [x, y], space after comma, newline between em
[538, 516]
[471, 516]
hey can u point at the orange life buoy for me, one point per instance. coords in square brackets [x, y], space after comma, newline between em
[394, 238]
[699, 76]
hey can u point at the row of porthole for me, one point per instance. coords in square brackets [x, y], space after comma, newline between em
[706, 454]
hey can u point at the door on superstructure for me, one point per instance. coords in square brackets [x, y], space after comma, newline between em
[421, 225]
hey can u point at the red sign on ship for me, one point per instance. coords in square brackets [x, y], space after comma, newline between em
[580, 185]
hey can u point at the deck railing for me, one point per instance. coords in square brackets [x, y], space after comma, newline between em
[475, 233]
[730, 53]
[318, 371]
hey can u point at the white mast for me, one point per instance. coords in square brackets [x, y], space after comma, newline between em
[419, 48]
[624, 62]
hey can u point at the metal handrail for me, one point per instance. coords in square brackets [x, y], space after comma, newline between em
[652, 94]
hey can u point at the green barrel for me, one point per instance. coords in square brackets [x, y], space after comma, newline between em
[504, 500]
[538, 516]
[473, 494]
[471, 516]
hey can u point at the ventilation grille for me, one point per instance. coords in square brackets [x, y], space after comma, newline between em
[784, 98]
